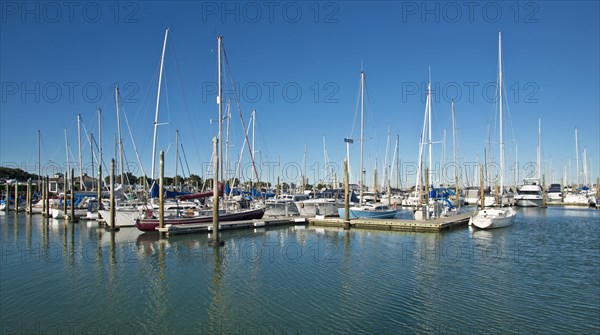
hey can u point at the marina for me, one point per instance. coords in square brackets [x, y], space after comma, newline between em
[303, 278]
[300, 168]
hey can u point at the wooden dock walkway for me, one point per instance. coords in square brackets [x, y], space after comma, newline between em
[435, 225]
[228, 225]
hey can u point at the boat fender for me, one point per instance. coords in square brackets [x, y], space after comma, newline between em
[301, 205]
[395, 205]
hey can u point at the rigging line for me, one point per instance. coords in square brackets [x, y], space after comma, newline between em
[135, 148]
[87, 136]
[240, 112]
[186, 161]
[355, 109]
[185, 100]
[144, 99]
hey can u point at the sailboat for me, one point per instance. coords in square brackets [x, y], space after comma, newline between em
[370, 210]
[497, 217]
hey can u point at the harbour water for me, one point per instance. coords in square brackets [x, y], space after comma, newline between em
[539, 276]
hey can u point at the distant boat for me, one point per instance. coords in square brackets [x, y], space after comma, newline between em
[151, 224]
[497, 217]
[554, 193]
[371, 211]
[530, 194]
[283, 205]
[325, 203]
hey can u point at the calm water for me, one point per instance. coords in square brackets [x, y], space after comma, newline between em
[540, 276]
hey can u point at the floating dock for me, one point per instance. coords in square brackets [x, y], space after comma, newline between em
[229, 225]
[434, 225]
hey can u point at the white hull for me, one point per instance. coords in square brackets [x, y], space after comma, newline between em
[123, 217]
[529, 202]
[554, 198]
[60, 214]
[493, 218]
[311, 208]
[287, 208]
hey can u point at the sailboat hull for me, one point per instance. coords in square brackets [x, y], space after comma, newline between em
[357, 212]
[493, 218]
[152, 224]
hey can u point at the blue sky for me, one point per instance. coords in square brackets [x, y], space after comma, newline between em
[298, 64]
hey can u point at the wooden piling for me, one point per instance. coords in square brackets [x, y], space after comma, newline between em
[216, 242]
[47, 187]
[161, 198]
[72, 217]
[99, 184]
[42, 190]
[481, 187]
[7, 193]
[16, 197]
[456, 198]
[65, 185]
[375, 186]
[544, 191]
[112, 226]
[346, 197]
[29, 196]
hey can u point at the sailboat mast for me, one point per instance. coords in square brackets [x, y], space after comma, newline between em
[429, 123]
[227, 138]
[577, 156]
[92, 157]
[253, 147]
[39, 183]
[176, 157]
[454, 141]
[388, 163]
[539, 150]
[500, 96]
[67, 152]
[99, 149]
[362, 131]
[119, 135]
[160, 73]
[81, 185]
[219, 103]
[304, 170]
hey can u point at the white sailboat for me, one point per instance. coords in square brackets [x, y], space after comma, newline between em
[497, 217]
[371, 210]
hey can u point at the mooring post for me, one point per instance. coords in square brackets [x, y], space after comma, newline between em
[16, 197]
[29, 196]
[481, 190]
[346, 197]
[544, 191]
[7, 208]
[42, 190]
[47, 187]
[99, 184]
[161, 198]
[72, 217]
[112, 220]
[456, 198]
[65, 185]
[216, 242]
